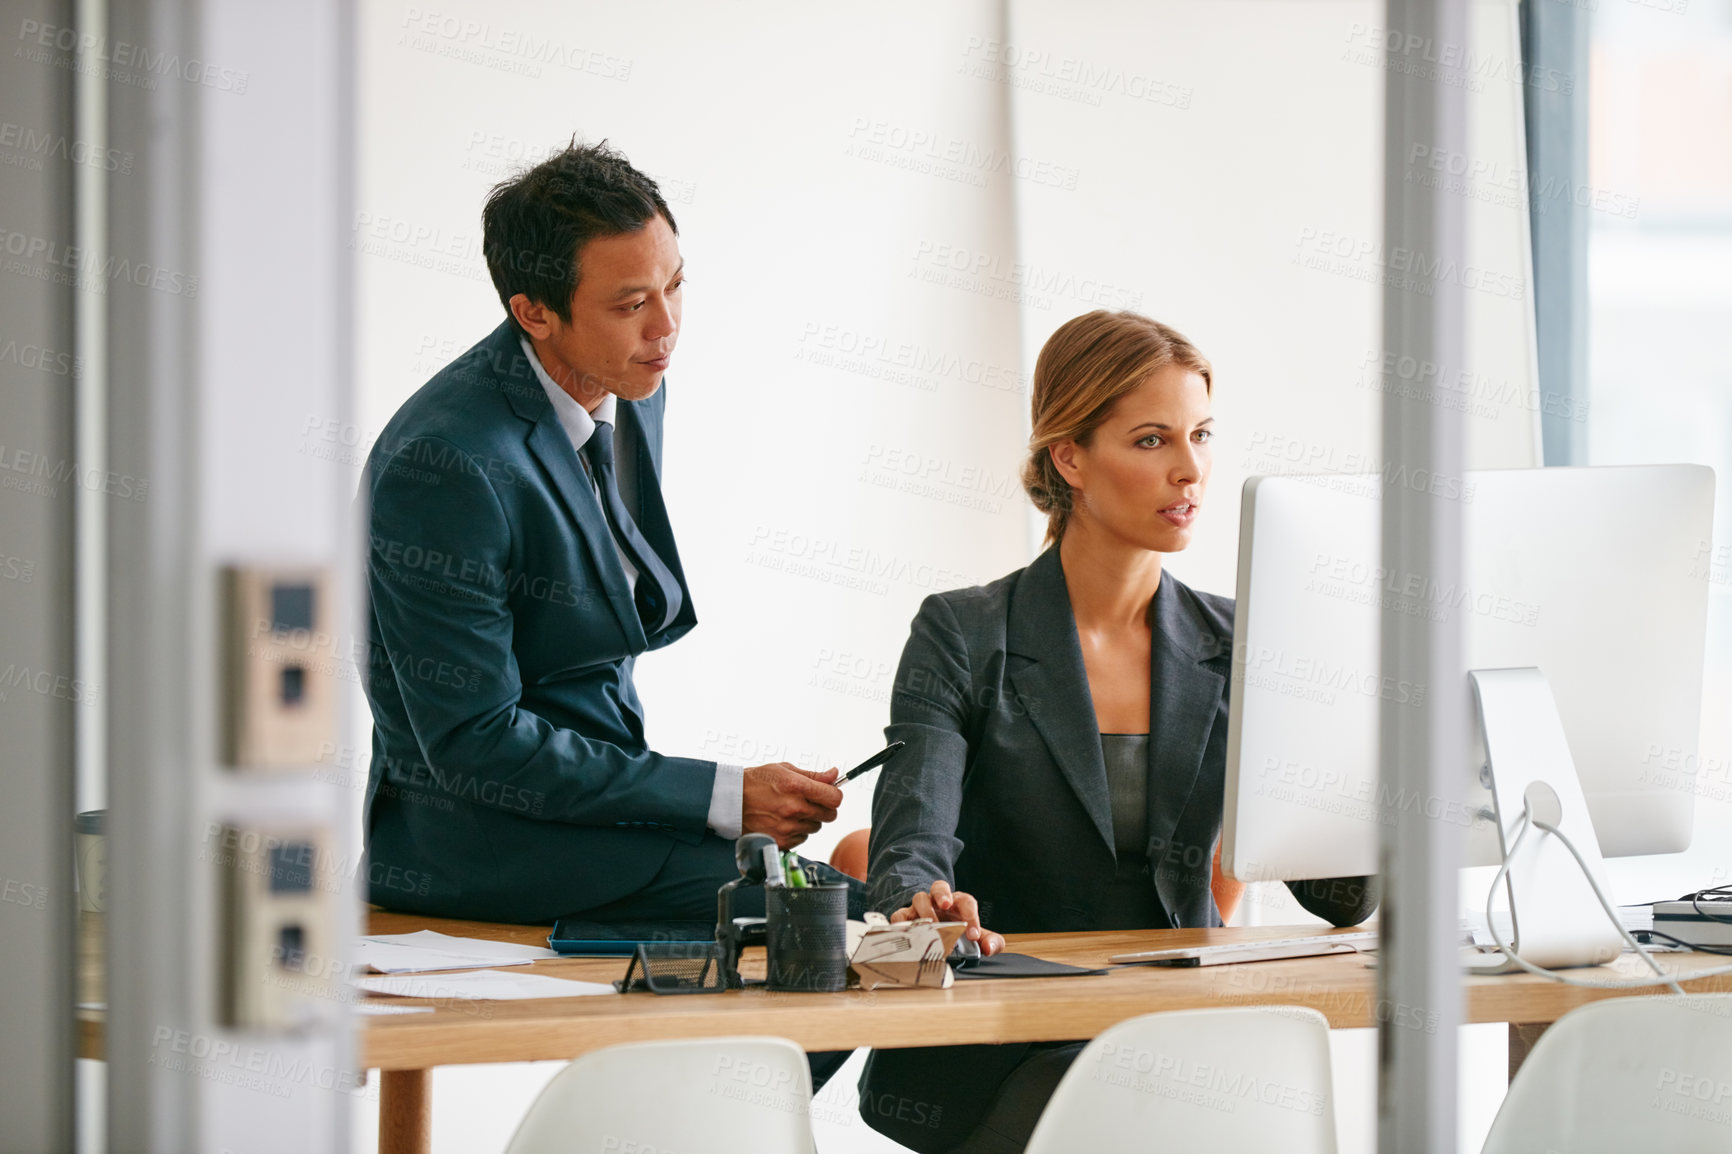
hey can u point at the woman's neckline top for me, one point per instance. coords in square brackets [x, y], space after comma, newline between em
[1127, 759]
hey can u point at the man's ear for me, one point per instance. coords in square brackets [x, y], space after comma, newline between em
[534, 319]
[1064, 459]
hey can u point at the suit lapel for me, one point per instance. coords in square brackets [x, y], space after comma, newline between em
[1183, 699]
[549, 445]
[1054, 686]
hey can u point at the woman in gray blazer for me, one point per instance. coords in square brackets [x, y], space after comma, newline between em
[1066, 725]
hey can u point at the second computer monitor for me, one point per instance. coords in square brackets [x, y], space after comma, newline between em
[1597, 576]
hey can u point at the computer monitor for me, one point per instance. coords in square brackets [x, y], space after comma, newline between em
[1596, 576]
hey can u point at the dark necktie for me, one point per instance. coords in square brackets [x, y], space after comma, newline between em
[658, 594]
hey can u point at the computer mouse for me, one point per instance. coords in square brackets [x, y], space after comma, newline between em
[964, 953]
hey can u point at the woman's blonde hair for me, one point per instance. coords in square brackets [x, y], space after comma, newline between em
[1083, 369]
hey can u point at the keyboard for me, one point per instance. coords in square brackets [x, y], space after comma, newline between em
[1268, 950]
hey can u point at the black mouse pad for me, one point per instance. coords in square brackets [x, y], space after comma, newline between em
[1019, 966]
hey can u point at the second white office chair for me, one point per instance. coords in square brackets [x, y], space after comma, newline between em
[1652, 1073]
[1239, 1081]
[716, 1095]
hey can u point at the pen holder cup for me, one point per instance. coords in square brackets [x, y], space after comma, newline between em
[807, 942]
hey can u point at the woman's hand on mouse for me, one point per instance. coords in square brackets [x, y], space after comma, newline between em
[944, 905]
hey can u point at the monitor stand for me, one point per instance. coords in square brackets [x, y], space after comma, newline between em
[1557, 920]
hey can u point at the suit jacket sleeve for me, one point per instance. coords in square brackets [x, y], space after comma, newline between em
[438, 566]
[919, 795]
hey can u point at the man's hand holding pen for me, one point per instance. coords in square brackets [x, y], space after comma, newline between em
[787, 802]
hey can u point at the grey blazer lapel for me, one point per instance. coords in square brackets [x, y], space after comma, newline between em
[1054, 686]
[1184, 695]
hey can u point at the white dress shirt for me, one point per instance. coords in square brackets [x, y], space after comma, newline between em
[727, 793]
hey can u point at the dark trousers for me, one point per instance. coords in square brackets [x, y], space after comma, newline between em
[963, 1099]
[986, 1099]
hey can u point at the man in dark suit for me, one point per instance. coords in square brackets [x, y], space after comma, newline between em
[520, 559]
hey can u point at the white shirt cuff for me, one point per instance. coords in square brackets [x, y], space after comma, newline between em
[727, 800]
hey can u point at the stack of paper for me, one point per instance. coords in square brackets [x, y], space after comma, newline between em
[426, 952]
[1636, 917]
[491, 985]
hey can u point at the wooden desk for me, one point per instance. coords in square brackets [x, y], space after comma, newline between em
[405, 1047]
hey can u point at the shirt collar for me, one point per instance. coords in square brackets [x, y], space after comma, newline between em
[578, 423]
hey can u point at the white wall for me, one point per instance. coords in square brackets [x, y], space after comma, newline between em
[1239, 199]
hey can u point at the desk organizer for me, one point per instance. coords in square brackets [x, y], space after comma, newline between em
[807, 938]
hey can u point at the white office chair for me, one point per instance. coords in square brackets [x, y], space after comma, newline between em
[1648, 1073]
[1237, 1081]
[716, 1095]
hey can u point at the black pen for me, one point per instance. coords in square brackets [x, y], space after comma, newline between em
[871, 763]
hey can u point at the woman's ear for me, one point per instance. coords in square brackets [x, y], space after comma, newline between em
[1065, 456]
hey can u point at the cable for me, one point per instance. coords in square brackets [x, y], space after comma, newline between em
[1604, 904]
[1695, 901]
[1664, 979]
[1697, 946]
[1508, 949]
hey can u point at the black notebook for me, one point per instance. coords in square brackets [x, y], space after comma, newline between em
[579, 938]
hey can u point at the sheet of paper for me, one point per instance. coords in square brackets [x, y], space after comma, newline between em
[432, 940]
[1479, 934]
[426, 951]
[371, 1008]
[491, 985]
[389, 958]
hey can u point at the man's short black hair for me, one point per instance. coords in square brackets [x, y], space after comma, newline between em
[535, 224]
